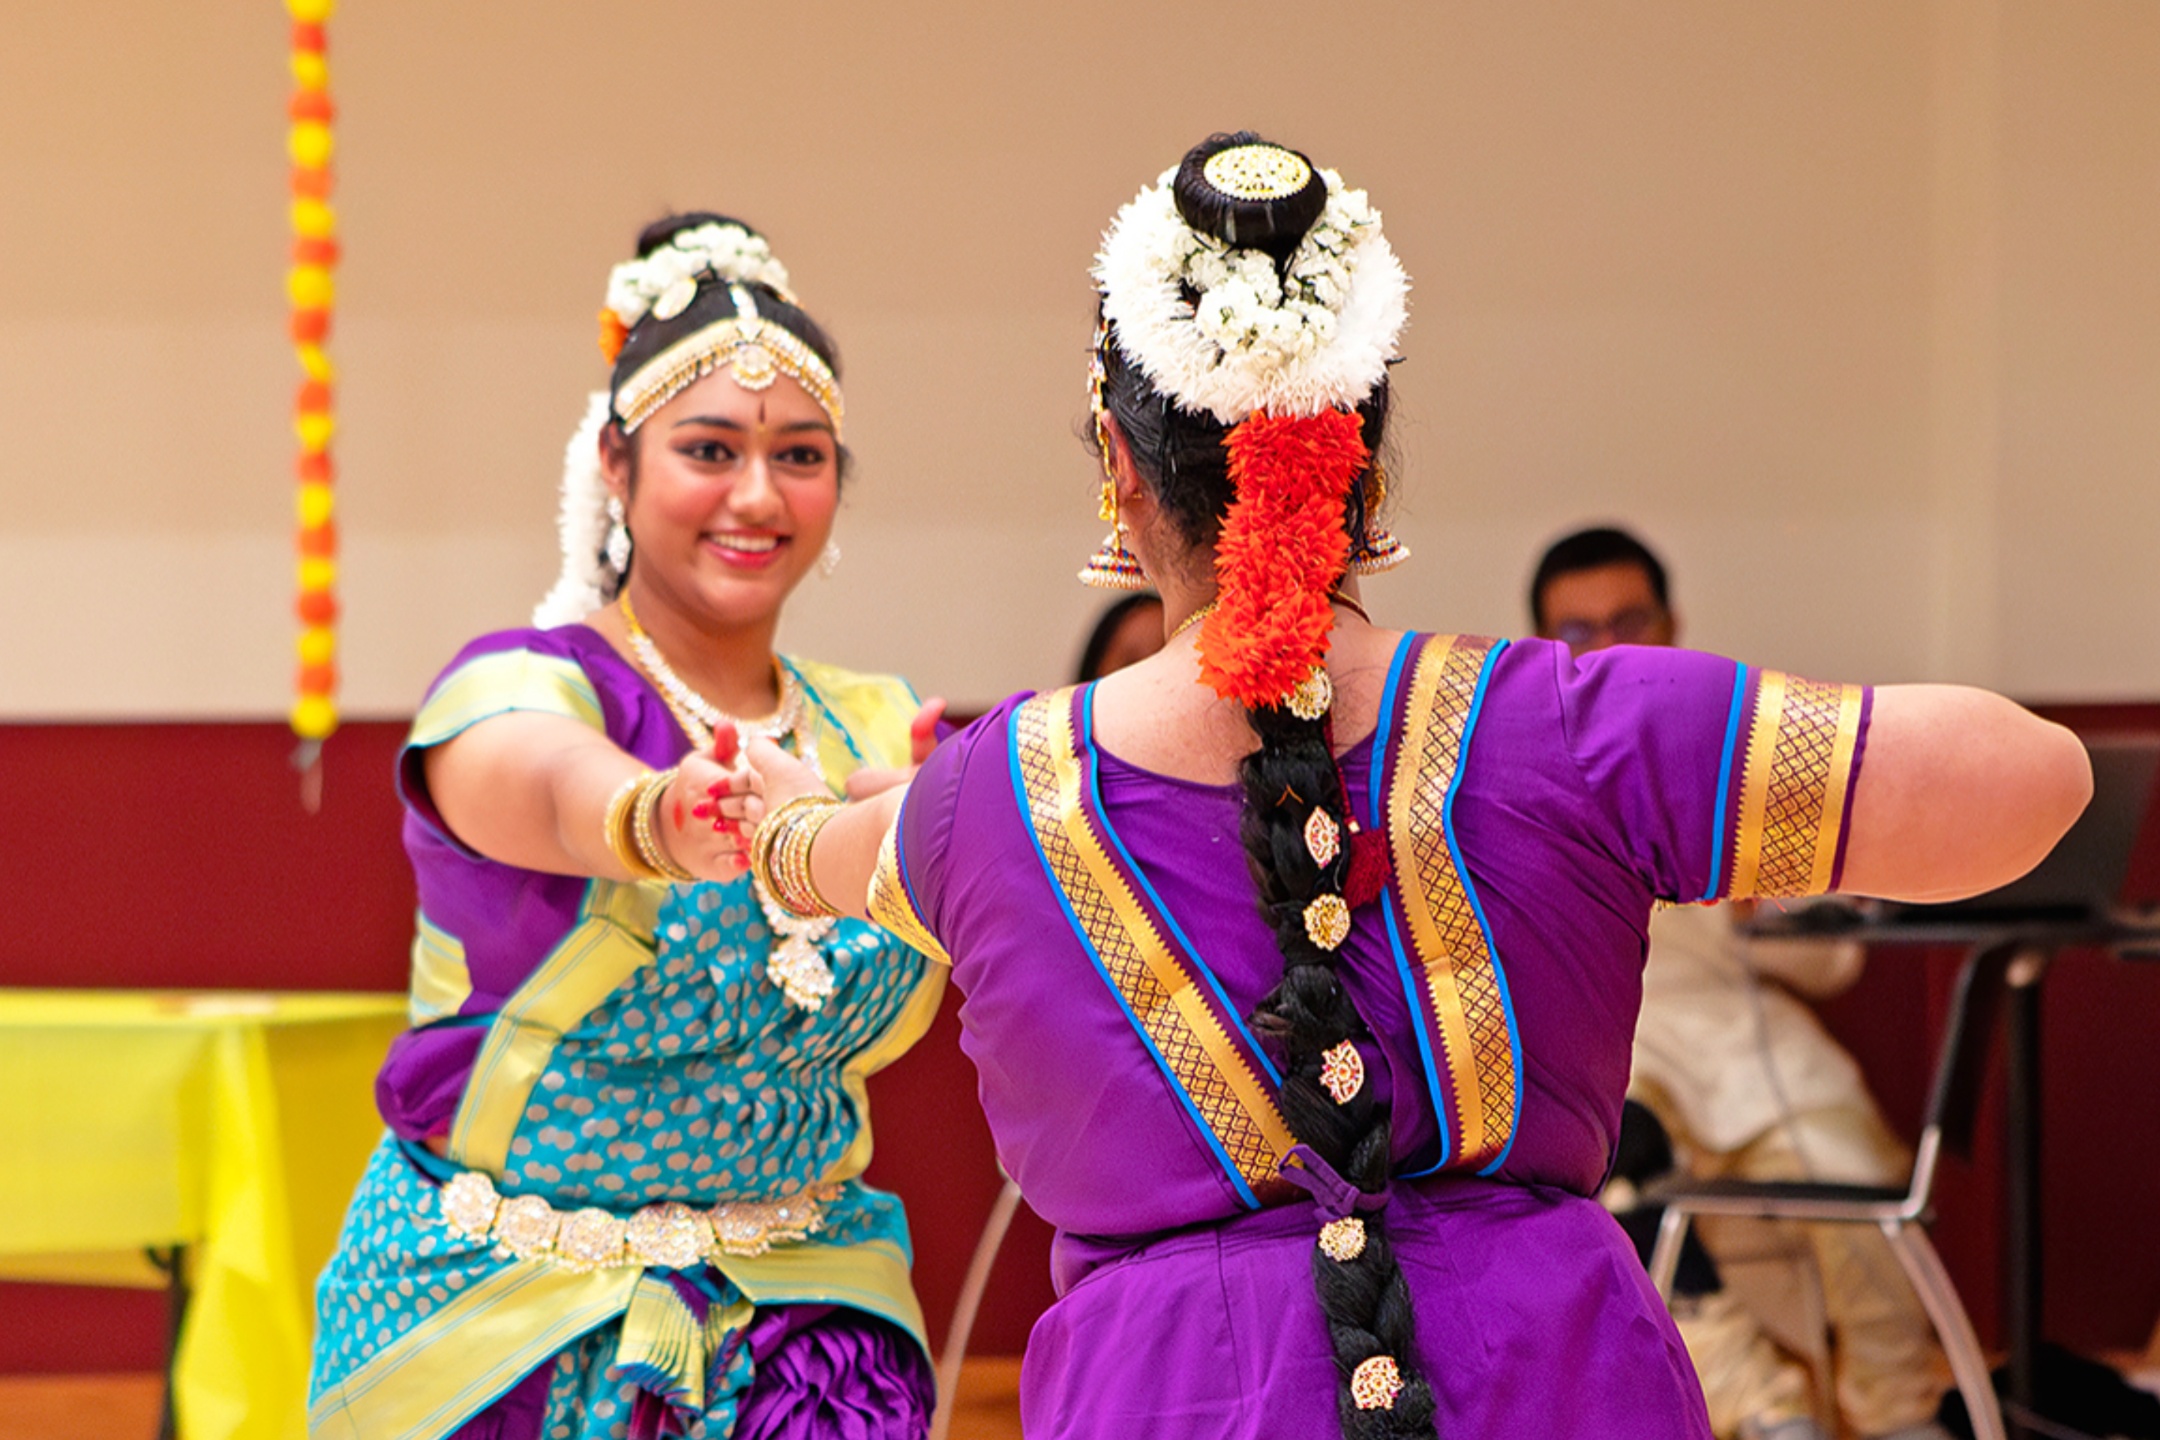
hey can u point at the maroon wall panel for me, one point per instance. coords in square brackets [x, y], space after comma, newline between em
[178, 855]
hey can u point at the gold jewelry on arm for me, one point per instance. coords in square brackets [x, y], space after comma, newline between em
[617, 827]
[780, 855]
[628, 828]
[644, 828]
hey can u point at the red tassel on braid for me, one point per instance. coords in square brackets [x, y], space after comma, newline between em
[1282, 550]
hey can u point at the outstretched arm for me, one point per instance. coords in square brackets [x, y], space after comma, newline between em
[532, 790]
[1961, 791]
[846, 853]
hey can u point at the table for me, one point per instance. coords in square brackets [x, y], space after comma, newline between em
[229, 1126]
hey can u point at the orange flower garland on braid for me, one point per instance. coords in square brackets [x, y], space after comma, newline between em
[1282, 550]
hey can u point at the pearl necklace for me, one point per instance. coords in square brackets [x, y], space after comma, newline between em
[795, 963]
[698, 716]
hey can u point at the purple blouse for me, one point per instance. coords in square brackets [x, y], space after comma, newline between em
[1583, 791]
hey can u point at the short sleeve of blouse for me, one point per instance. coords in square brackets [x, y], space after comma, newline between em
[907, 891]
[1724, 781]
[494, 676]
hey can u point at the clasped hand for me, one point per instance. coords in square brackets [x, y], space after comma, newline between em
[720, 796]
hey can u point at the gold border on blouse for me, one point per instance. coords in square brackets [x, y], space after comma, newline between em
[890, 903]
[1229, 1096]
[490, 685]
[1461, 978]
[1795, 774]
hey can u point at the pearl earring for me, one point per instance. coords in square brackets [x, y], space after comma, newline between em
[618, 537]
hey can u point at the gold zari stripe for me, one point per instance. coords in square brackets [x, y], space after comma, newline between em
[890, 904]
[1462, 981]
[1793, 780]
[1232, 1100]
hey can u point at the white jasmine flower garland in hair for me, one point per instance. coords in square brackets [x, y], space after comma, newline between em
[665, 282]
[1317, 337]
[582, 522]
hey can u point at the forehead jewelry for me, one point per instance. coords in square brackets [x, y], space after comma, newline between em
[755, 350]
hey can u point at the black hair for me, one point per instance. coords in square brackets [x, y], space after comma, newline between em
[1594, 549]
[1106, 628]
[1180, 455]
[714, 301]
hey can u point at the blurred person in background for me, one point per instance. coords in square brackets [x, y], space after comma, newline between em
[619, 1196]
[1740, 1074]
[1127, 632]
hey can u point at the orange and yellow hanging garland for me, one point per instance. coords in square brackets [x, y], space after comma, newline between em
[311, 285]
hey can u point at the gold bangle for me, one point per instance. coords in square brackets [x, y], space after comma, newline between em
[780, 855]
[616, 827]
[645, 833]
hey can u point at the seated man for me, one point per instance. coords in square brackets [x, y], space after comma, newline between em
[1749, 1085]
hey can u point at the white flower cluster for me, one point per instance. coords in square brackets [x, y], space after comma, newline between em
[581, 522]
[1245, 306]
[665, 282]
[1317, 335]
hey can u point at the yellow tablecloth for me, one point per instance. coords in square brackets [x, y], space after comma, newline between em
[235, 1124]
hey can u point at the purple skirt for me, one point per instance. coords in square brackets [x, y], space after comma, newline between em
[823, 1372]
[1534, 1317]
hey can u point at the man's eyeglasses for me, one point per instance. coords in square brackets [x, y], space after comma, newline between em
[1629, 627]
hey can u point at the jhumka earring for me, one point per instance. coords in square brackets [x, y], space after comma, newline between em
[1112, 566]
[829, 558]
[1377, 550]
[618, 537]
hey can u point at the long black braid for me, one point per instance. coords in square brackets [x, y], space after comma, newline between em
[1366, 1300]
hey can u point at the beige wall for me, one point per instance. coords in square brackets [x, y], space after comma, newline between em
[1853, 308]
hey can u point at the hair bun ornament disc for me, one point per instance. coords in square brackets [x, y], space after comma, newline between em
[1257, 172]
[1281, 550]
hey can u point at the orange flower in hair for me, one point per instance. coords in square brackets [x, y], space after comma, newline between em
[1282, 549]
[612, 334]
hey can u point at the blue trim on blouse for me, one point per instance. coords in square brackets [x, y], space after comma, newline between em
[1724, 781]
[1177, 931]
[1477, 906]
[1177, 1088]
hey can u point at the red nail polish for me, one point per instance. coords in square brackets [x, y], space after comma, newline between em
[702, 812]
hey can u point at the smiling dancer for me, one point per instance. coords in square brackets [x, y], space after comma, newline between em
[619, 1195]
[1301, 958]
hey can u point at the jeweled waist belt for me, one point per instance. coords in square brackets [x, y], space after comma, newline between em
[668, 1234]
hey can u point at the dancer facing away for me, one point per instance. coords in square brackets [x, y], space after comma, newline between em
[1301, 958]
[619, 1196]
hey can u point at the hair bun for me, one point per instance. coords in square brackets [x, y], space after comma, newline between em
[657, 234]
[1249, 192]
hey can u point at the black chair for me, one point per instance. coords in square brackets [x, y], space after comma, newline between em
[1901, 1215]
